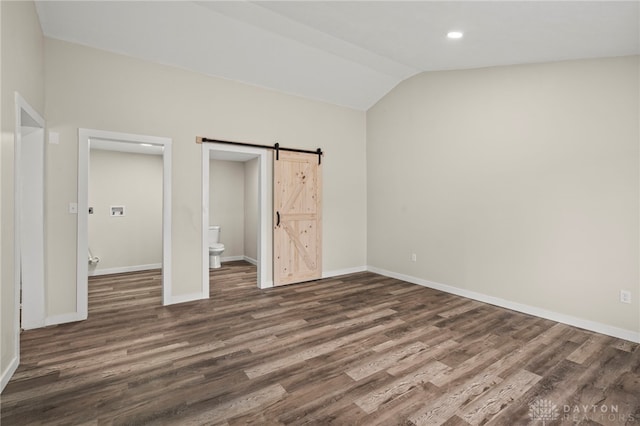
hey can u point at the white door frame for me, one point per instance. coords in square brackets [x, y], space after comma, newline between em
[29, 128]
[84, 139]
[261, 154]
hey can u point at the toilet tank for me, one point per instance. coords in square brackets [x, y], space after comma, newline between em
[214, 234]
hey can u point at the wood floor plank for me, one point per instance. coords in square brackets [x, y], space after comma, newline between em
[431, 353]
[483, 409]
[313, 351]
[359, 349]
[238, 406]
[383, 361]
[370, 402]
[439, 410]
[592, 345]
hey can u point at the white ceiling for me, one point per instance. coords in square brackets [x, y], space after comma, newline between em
[345, 52]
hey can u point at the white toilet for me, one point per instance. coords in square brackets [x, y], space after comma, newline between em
[215, 247]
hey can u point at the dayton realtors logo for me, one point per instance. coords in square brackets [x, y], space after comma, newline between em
[544, 411]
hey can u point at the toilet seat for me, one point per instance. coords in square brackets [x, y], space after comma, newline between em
[216, 246]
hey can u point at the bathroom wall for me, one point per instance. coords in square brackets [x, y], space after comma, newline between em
[251, 209]
[226, 204]
[134, 241]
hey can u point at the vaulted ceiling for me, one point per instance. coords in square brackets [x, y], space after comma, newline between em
[348, 53]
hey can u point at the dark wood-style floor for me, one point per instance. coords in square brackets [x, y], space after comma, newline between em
[358, 349]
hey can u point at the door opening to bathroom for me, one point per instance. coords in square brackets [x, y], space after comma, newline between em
[233, 206]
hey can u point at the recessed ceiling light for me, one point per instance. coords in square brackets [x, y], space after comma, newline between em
[454, 34]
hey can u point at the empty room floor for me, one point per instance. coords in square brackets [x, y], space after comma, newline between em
[356, 349]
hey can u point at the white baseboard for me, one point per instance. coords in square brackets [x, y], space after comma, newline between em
[123, 269]
[182, 298]
[597, 327]
[250, 260]
[63, 318]
[337, 272]
[231, 258]
[41, 323]
[326, 274]
[8, 372]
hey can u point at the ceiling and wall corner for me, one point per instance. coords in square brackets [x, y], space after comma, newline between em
[345, 53]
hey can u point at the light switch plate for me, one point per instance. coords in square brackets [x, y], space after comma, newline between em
[625, 296]
[54, 138]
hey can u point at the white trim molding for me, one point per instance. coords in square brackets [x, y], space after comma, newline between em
[8, 372]
[231, 258]
[183, 298]
[123, 269]
[33, 288]
[597, 327]
[63, 318]
[251, 260]
[34, 298]
[345, 271]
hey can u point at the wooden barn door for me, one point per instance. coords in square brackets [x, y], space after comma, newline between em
[297, 206]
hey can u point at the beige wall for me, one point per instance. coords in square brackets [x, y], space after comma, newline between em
[135, 182]
[90, 88]
[520, 183]
[251, 209]
[22, 71]
[226, 204]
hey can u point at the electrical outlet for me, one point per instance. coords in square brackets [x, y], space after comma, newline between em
[414, 257]
[625, 296]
